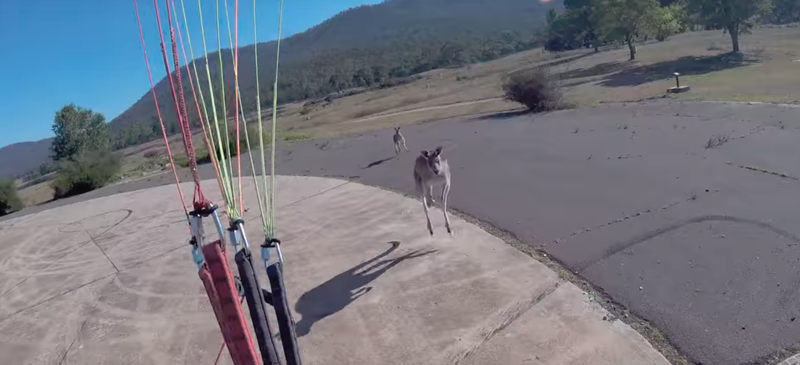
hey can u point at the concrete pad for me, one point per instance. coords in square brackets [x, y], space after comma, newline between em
[81, 267]
[357, 291]
[42, 334]
[135, 242]
[154, 313]
[366, 282]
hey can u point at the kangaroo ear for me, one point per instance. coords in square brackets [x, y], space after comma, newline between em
[438, 151]
[426, 154]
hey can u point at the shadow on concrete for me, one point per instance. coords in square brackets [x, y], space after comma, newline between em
[376, 163]
[337, 293]
[686, 66]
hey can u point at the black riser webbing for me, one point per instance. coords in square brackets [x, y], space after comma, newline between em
[258, 308]
[285, 321]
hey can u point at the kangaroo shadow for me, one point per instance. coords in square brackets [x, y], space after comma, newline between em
[337, 293]
[376, 163]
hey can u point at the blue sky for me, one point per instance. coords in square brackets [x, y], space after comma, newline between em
[88, 52]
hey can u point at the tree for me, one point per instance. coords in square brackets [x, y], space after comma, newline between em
[377, 74]
[627, 19]
[9, 198]
[586, 19]
[735, 17]
[668, 20]
[362, 78]
[334, 83]
[78, 130]
[552, 15]
[450, 54]
[566, 32]
[786, 11]
[86, 171]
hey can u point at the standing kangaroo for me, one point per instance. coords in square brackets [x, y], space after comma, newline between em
[398, 141]
[430, 170]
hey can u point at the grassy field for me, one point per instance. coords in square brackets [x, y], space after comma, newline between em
[768, 70]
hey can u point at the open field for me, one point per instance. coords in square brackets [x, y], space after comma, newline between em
[767, 72]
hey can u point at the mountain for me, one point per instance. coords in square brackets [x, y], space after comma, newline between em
[358, 47]
[19, 158]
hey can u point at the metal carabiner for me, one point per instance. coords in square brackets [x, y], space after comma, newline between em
[236, 232]
[269, 243]
[198, 232]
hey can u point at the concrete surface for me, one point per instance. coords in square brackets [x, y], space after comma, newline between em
[794, 360]
[111, 281]
[627, 196]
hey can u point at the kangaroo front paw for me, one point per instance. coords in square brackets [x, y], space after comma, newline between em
[431, 202]
[430, 229]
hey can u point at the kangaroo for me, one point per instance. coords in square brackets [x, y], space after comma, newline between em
[430, 170]
[398, 141]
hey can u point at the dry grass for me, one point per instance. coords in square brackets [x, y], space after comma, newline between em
[716, 141]
[767, 72]
[36, 194]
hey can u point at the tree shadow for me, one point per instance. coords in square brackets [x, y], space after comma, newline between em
[376, 163]
[337, 293]
[562, 60]
[504, 115]
[686, 66]
[596, 70]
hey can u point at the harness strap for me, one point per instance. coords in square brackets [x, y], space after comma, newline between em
[221, 290]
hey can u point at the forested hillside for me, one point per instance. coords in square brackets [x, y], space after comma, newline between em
[18, 158]
[359, 47]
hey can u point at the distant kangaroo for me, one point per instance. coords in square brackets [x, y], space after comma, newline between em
[398, 141]
[430, 170]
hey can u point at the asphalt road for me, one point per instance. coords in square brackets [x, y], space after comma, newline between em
[702, 242]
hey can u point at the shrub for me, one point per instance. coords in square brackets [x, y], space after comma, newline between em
[202, 156]
[668, 20]
[289, 137]
[397, 82]
[154, 153]
[9, 198]
[86, 172]
[535, 88]
[716, 141]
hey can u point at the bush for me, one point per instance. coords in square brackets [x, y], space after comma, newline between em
[86, 172]
[202, 156]
[668, 20]
[397, 82]
[9, 198]
[289, 137]
[154, 153]
[536, 88]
